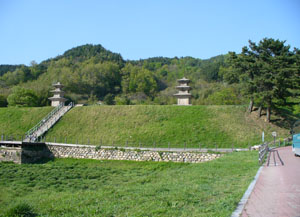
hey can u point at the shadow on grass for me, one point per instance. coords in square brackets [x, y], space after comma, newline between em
[284, 118]
[43, 161]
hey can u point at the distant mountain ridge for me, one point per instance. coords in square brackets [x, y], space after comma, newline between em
[87, 51]
[84, 52]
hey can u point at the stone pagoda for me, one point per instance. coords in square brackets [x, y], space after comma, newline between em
[58, 97]
[183, 95]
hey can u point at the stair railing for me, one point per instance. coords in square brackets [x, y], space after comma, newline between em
[30, 132]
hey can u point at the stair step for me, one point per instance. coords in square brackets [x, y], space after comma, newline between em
[46, 123]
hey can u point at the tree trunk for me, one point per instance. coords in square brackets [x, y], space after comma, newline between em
[259, 111]
[251, 105]
[268, 114]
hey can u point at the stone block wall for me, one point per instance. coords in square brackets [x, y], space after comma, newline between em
[30, 153]
[22, 153]
[92, 152]
[12, 154]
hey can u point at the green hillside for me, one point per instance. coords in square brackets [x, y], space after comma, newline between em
[91, 73]
[224, 125]
[17, 121]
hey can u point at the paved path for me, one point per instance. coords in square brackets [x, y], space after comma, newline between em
[277, 190]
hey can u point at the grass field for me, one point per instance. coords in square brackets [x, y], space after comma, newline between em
[208, 125]
[70, 187]
[17, 121]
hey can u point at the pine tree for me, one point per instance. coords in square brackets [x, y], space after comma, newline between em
[269, 71]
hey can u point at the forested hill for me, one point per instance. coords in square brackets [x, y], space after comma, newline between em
[91, 73]
[84, 52]
[7, 68]
[267, 74]
[193, 67]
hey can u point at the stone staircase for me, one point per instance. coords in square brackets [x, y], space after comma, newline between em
[46, 123]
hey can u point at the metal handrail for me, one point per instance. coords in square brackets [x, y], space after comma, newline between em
[45, 119]
[38, 125]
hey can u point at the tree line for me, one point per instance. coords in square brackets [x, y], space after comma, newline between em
[91, 73]
[266, 73]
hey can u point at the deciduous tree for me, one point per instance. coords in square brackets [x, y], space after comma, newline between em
[22, 97]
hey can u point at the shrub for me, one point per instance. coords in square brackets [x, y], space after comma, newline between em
[3, 101]
[226, 96]
[122, 100]
[109, 99]
[22, 97]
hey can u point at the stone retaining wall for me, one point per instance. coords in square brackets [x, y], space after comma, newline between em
[92, 152]
[24, 153]
[12, 154]
[32, 152]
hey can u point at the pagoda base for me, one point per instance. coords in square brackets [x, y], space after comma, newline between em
[57, 103]
[183, 101]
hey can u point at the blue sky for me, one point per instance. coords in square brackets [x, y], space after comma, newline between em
[137, 29]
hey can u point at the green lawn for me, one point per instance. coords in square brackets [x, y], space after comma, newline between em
[70, 187]
[17, 121]
[208, 125]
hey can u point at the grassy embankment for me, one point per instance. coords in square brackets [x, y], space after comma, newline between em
[17, 121]
[208, 125]
[71, 187]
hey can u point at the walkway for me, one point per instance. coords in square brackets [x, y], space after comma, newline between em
[46, 124]
[277, 190]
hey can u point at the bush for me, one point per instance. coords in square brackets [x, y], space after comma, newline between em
[109, 99]
[3, 101]
[226, 96]
[22, 97]
[138, 98]
[122, 100]
[21, 210]
[92, 99]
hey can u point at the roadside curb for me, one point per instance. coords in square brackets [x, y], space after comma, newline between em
[240, 207]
